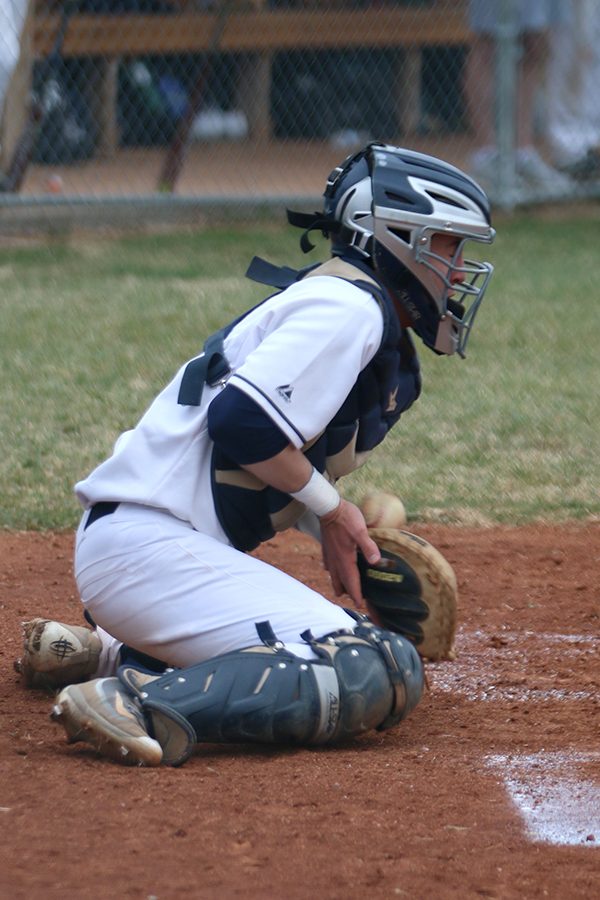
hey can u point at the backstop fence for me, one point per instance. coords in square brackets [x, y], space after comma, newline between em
[163, 106]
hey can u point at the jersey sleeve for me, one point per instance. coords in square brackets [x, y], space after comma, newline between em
[242, 429]
[319, 336]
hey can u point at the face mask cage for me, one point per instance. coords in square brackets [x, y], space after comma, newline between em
[458, 300]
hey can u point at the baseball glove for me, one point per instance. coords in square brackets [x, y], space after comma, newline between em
[412, 591]
[55, 654]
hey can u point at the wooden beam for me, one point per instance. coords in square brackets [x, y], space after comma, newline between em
[102, 96]
[253, 93]
[266, 30]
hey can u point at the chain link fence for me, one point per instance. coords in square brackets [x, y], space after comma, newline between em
[175, 104]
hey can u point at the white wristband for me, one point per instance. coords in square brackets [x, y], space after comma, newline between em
[318, 495]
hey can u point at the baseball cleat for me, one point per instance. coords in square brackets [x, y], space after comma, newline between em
[102, 713]
[55, 654]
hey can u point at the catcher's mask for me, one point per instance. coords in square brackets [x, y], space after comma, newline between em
[384, 204]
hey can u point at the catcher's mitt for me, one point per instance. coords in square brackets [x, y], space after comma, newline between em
[412, 591]
[55, 654]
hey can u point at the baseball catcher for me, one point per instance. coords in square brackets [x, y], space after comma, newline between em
[195, 639]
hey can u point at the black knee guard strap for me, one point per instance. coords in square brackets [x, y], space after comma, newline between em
[364, 678]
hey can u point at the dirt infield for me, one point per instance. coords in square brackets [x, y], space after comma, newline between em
[490, 789]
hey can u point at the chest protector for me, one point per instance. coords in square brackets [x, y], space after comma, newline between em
[251, 512]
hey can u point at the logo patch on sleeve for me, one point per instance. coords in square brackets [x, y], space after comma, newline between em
[285, 392]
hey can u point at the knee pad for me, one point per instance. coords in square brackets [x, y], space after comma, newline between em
[363, 678]
[380, 676]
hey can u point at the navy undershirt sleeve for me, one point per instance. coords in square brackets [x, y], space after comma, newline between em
[242, 429]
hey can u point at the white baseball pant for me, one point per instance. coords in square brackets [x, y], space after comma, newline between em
[151, 581]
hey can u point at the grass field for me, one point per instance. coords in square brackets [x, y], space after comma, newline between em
[91, 330]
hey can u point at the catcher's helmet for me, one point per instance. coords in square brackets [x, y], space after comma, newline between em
[384, 204]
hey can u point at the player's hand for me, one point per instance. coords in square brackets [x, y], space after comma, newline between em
[343, 532]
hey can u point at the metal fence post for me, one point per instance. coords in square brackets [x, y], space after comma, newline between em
[507, 60]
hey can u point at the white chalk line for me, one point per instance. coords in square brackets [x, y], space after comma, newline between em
[472, 675]
[556, 806]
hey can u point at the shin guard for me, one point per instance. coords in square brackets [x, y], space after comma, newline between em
[363, 678]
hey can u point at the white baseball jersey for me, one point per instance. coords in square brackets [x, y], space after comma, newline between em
[296, 356]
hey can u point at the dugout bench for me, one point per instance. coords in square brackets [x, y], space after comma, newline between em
[255, 30]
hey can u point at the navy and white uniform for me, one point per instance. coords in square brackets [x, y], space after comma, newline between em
[323, 365]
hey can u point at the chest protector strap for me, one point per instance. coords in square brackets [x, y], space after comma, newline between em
[210, 368]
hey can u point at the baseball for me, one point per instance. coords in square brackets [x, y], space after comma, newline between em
[54, 184]
[383, 510]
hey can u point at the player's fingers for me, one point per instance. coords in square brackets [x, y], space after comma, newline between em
[369, 549]
[345, 576]
[352, 585]
[336, 562]
[336, 583]
[356, 526]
